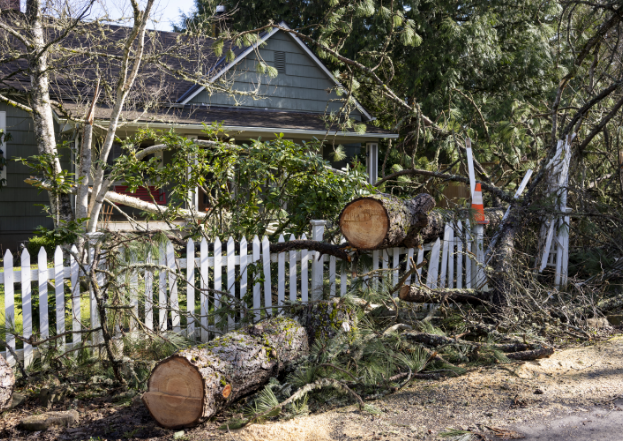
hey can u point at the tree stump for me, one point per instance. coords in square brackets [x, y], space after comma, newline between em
[197, 382]
[7, 381]
[385, 221]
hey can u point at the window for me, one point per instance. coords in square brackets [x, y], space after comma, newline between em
[280, 62]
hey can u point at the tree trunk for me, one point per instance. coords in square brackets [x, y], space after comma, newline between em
[7, 380]
[422, 294]
[197, 382]
[384, 221]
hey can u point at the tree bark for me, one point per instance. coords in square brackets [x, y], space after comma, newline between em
[7, 381]
[422, 294]
[197, 382]
[384, 221]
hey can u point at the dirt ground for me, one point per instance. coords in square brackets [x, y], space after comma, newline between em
[577, 394]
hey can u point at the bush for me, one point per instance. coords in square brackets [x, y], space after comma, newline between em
[35, 243]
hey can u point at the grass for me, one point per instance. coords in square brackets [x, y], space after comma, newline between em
[85, 311]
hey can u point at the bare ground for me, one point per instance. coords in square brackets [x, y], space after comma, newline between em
[577, 394]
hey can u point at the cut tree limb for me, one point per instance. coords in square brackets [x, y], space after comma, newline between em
[531, 355]
[384, 221]
[423, 294]
[313, 245]
[7, 381]
[197, 382]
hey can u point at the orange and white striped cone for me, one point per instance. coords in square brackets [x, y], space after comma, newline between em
[478, 207]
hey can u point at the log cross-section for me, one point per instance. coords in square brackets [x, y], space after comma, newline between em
[384, 221]
[196, 383]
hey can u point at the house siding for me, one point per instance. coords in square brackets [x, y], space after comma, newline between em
[20, 214]
[304, 87]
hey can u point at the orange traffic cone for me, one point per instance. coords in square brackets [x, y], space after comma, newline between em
[478, 207]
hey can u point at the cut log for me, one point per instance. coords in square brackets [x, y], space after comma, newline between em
[384, 221]
[422, 294]
[197, 382]
[7, 381]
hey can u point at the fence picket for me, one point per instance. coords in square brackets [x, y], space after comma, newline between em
[173, 299]
[409, 258]
[292, 269]
[9, 305]
[190, 289]
[42, 266]
[332, 287]
[268, 299]
[149, 294]
[420, 259]
[451, 242]
[243, 273]
[281, 275]
[444, 257]
[468, 255]
[343, 279]
[459, 255]
[76, 323]
[231, 279]
[218, 274]
[26, 306]
[396, 266]
[304, 273]
[162, 289]
[205, 335]
[433, 266]
[375, 266]
[60, 295]
[257, 295]
[133, 291]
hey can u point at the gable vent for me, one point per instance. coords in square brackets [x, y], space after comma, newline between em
[280, 61]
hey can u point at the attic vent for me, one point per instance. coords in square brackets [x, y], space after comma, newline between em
[280, 61]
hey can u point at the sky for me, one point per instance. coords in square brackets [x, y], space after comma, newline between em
[166, 12]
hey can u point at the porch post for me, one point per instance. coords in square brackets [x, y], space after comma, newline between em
[372, 148]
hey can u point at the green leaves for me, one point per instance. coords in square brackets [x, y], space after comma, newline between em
[217, 47]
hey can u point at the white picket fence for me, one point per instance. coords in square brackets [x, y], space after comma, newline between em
[451, 263]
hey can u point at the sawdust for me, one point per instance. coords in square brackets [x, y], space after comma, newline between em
[497, 396]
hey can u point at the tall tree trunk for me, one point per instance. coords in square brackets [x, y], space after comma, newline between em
[42, 113]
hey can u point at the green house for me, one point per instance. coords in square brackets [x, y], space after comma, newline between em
[296, 103]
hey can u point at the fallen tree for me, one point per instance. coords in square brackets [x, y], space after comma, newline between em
[197, 382]
[7, 381]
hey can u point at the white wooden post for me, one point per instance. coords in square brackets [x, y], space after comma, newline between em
[409, 257]
[420, 259]
[190, 289]
[332, 287]
[97, 337]
[243, 273]
[26, 306]
[375, 266]
[318, 263]
[304, 273]
[231, 279]
[9, 306]
[373, 161]
[292, 269]
[44, 326]
[193, 194]
[204, 263]
[59, 288]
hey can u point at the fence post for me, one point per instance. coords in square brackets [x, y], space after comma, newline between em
[317, 265]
